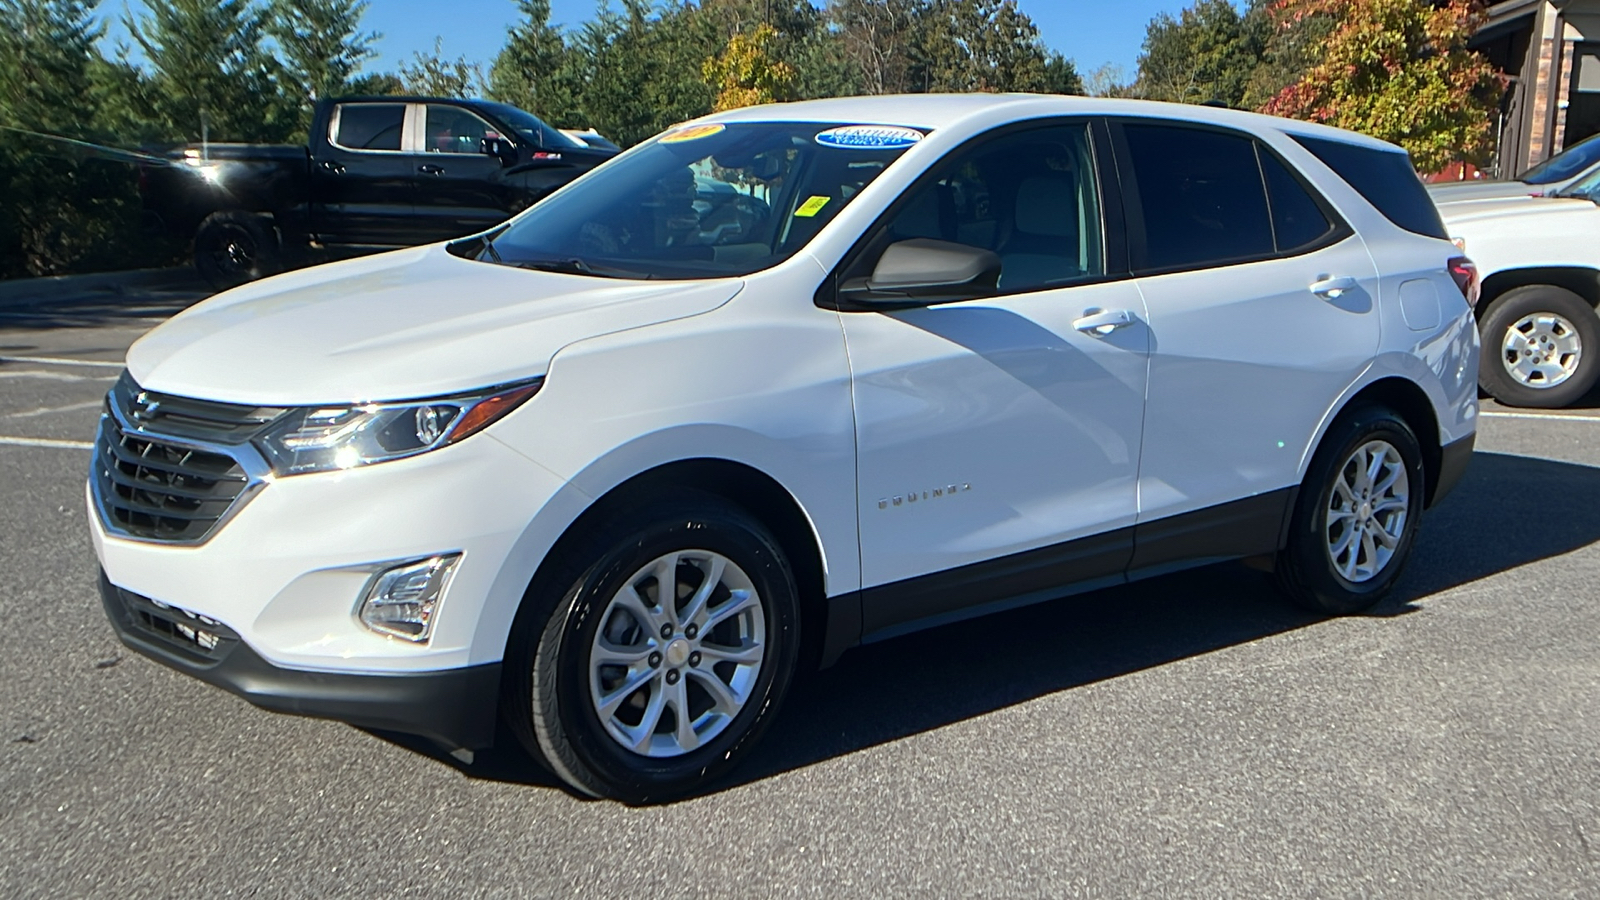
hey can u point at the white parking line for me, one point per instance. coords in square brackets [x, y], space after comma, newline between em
[57, 376]
[58, 361]
[48, 410]
[44, 442]
[1543, 417]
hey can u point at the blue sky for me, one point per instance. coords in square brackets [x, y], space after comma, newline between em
[1090, 32]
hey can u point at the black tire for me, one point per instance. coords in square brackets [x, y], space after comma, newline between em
[547, 701]
[1306, 569]
[231, 248]
[1515, 306]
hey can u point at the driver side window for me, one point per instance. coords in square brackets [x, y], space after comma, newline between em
[450, 129]
[1030, 197]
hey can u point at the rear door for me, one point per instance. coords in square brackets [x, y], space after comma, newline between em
[458, 189]
[1262, 306]
[360, 177]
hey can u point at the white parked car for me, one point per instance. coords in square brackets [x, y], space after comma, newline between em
[1552, 176]
[1539, 261]
[615, 472]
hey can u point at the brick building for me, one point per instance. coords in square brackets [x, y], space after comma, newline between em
[1551, 51]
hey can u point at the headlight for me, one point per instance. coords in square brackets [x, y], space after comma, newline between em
[321, 439]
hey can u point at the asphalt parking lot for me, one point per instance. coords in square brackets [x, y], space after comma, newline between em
[1188, 736]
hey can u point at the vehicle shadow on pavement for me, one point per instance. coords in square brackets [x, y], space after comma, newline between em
[96, 301]
[923, 681]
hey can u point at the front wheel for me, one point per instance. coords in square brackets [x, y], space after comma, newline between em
[1540, 345]
[231, 248]
[664, 659]
[1356, 515]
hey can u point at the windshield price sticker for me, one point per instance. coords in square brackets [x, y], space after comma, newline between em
[811, 207]
[693, 133]
[869, 137]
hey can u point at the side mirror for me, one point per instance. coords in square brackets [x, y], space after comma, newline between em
[923, 271]
[499, 148]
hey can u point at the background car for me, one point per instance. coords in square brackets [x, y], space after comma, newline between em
[1549, 177]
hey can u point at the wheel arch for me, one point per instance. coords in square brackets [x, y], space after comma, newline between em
[1581, 280]
[827, 628]
[1408, 400]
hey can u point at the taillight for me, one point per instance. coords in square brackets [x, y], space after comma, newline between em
[1465, 275]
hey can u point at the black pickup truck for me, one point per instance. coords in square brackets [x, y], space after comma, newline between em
[379, 173]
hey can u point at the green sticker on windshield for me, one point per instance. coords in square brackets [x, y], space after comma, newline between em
[811, 207]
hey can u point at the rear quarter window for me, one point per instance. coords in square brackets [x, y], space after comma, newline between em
[1385, 179]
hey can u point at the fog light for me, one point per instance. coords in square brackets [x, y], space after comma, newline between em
[401, 600]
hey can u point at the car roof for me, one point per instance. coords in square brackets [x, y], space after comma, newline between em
[933, 111]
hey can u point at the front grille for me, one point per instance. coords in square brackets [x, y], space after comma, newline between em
[186, 417]
[152, 489]
[200, 638]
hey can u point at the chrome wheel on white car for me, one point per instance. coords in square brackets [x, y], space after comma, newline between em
[649, 661]
[1355, 518]
[1367, 511]
[677, 654]
[1541, 350]
[1539, 347]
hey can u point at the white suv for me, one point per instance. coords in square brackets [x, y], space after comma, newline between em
[774, 384]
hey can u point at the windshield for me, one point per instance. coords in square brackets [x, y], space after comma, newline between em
[1566, 164]
[703, 201]
[532, 128]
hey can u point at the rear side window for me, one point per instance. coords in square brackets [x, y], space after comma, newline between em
[1297, 218]
[369, 126]
[1200, 196]
[1385, 178]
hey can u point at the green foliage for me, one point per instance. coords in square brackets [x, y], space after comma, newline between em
[432, 75]
[1209, 52]
[535, 70]
[65, 208]
[1398, 70]
[746, 74]
[321, 46]
[209, 73]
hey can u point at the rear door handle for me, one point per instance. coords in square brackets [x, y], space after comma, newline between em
[1332, 288]
[1101, 322]
[336, 168]
[431, 169]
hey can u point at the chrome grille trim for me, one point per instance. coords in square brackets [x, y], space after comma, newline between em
[152, 486]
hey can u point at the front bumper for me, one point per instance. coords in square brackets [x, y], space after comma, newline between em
[454, 707]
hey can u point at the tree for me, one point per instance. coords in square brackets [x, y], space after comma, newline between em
[535, 70]
[641, 68]
[431, 75]
[66, 206]
[745, 74]
[1061, 76]
[980, 45]
[879, 39]
[1209, 52]
[321, 44]
[1398, 70]
[209, 73]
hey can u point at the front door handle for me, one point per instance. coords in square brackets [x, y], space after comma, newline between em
[336, 168]
[1101, 322]
[1332, 288]
[431, 169]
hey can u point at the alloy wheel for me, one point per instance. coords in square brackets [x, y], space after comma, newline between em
[1367, 511]
[1541, 350]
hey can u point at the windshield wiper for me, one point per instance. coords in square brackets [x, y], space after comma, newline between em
[573, 265]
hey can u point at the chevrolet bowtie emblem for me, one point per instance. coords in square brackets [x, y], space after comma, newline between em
[144, 408]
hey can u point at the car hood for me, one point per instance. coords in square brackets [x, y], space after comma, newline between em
[1509, 208]
[1455, 191]
[403, 325]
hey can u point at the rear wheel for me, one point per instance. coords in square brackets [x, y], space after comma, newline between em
[1356, 516]
[231, 248]
[664, 659]
[1540, 347]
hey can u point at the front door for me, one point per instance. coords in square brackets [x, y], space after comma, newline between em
[999, 438]
[458, 189]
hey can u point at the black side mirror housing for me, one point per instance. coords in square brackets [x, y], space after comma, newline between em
[499, 148]
[921, 272]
